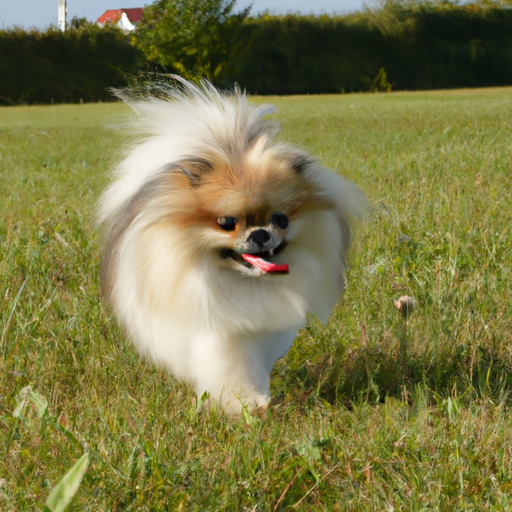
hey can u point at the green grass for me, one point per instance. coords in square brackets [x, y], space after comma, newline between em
[369, 413]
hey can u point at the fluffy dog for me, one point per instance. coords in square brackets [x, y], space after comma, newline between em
[218, 241]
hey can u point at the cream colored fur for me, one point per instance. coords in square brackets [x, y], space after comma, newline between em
[213, 322]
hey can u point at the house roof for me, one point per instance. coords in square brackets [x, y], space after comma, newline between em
[114, 15]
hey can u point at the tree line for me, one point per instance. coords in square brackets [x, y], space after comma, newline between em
[395, 45]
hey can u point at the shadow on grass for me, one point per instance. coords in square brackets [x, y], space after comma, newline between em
[321, 366]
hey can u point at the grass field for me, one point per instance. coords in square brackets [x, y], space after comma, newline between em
[370, 412]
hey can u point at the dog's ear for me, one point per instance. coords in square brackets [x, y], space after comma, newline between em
[299, 162]
[193, 168]
[264, 109]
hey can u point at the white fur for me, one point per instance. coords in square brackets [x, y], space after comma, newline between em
[214, 327]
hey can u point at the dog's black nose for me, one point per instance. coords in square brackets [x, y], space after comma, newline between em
[260, 236]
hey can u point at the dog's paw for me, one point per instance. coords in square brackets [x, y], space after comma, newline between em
[235, 406]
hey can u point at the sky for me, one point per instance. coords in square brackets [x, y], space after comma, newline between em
[43, 13]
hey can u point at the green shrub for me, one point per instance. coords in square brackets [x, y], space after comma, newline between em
[398, 45]
[80, 64]
[419, 45]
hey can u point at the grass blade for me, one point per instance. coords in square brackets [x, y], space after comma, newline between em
[67, 487]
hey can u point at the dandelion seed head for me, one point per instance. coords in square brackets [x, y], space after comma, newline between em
[406, 305]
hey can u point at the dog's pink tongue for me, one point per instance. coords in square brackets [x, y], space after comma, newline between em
[264, 265]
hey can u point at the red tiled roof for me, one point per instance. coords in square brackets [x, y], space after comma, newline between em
[114, 15]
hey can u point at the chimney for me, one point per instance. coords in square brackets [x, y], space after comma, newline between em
[63, 9]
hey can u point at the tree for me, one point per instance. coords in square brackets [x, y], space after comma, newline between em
[191, 37]
[78, 23]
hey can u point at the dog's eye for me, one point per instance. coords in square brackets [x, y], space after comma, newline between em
[280, 220]
[227, 223]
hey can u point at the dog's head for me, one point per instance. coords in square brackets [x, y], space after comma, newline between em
[241, 205]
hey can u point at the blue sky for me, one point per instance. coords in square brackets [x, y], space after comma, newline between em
[43, 13]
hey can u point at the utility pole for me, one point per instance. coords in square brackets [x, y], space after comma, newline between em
[63, 10]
